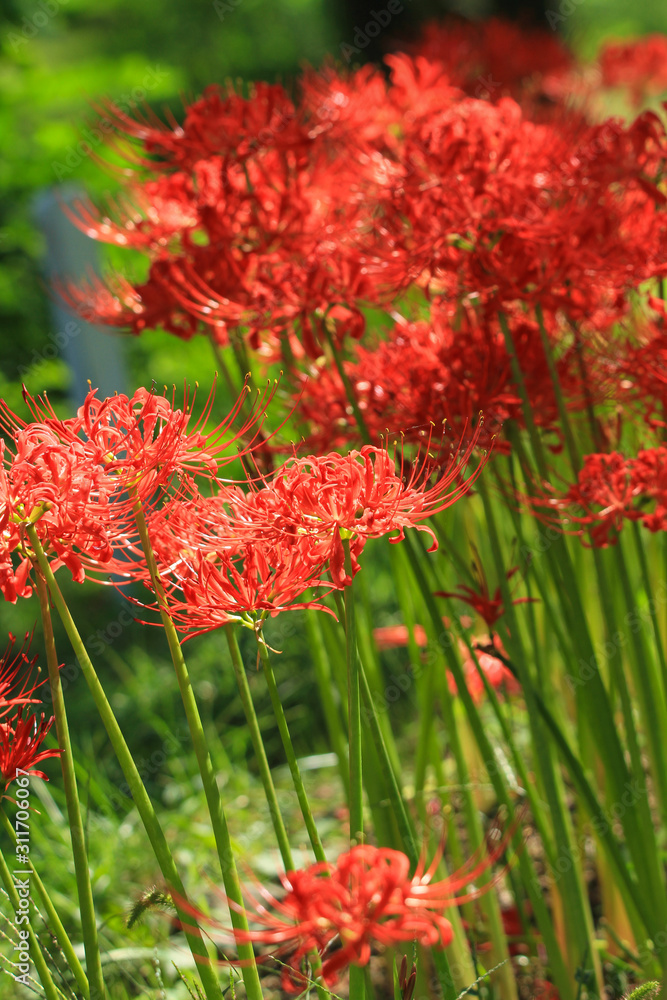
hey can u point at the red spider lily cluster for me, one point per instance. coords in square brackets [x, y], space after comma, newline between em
[488, 656]
[497, 58]
[275, 216]
[22, 732]
[443, 371]
[612, 489]
[222, 554]
[236, 554]
[640, 66]
[78, 480]
[368, 897]
[474, 195]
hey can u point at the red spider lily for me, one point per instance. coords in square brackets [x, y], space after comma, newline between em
[78, 479]
[264, 231]
[146, 439]
[605, 493]
[487, 607]
[55, 483]
[494, 57]
[494, 669]
[633, 373]
[361, 495]
[17, 681]
[216, 569]
[367, 897]
[611, 489]
[390, 636]
[273, 216]
[564, 213]
[640, 65]
[447, 370]
[20, 742]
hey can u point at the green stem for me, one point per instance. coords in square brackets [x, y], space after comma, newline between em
[50, 990]
[211, 791]
[357, 977]
[297, 780]
[222, 364]
[572, 449]
[79, 854]
[580, 924]
[648, 690]
[265, 773]
[258, 746]
[349, 390]
[529, 876]
[332, 714]
[354, 710]
[405, 826]
[592, 698]
[142, 801]
[641, 555]
[489, 904]
[54, 921]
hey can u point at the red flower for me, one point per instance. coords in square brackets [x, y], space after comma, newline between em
[493, 58]
[253, 217]
[611, 489]
[17, 680]
[496, 672]
[565, 214]
[217, 567]
[448, 371]
[640, 65]
[146, 440]
[633, 373]
[20, 742]
[368, 897]
[487, 607]
[53, 480]
[390, 636]
[603, 497]
[361, 495]
[77, 478]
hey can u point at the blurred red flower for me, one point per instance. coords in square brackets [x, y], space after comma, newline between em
[20, 742]
[639, 65]
[366, 897]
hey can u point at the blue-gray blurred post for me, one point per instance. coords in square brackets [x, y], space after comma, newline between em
[91, 352]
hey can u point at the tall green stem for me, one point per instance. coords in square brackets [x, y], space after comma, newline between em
[267, 780]
[54, 922]
[297, 780]
[331, 710]
[139, 794]
[81, 869]
[258, 746]
[349, 390]
[354, 710]
[357, 977]
[529, 876]
[35, 949]
[211, 791]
